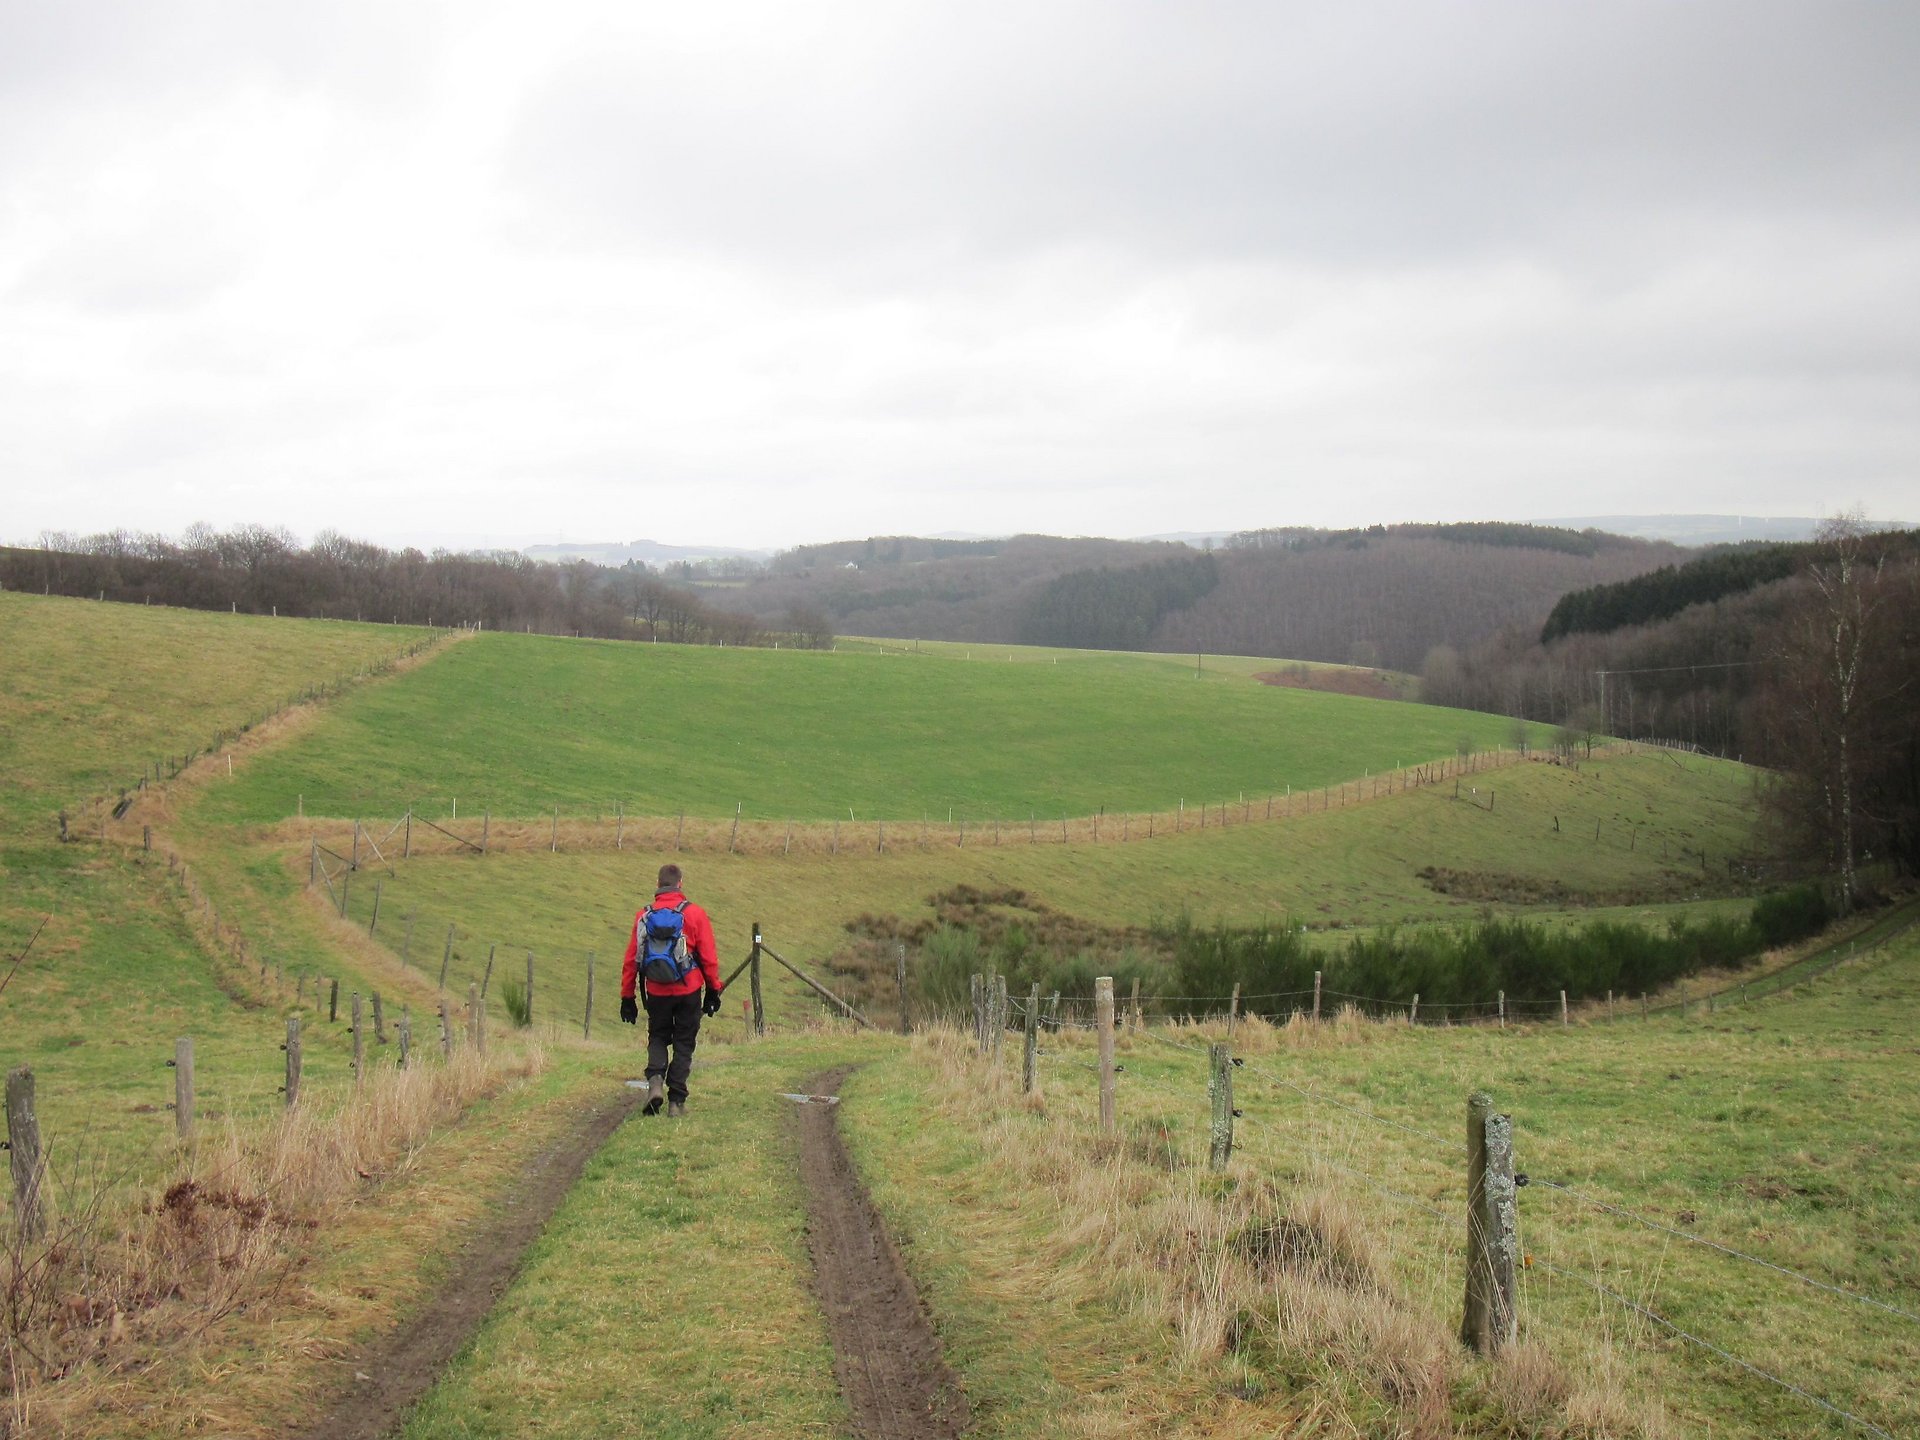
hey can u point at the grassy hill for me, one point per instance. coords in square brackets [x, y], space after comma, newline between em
[1080, 1285]
[519, 724]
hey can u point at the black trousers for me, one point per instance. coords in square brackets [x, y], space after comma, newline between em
[673, 1021]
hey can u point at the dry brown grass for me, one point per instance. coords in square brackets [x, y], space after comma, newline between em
[1304, 1282]
[102, 1295]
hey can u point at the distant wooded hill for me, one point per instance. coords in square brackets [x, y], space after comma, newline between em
[1381, 596]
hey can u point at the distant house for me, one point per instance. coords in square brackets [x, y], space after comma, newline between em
[850, 565]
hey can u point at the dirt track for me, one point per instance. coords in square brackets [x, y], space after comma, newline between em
[401, 1366]
[885, 1354]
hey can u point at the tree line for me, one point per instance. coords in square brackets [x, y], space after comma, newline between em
[259, 570]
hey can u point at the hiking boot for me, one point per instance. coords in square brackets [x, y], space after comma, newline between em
[676, 1108]
[656, 1094]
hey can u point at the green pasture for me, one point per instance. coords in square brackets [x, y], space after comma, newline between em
[1358, 867]
[519, 724]
[1765, 1128]
[95, 694]
[1769, 1128]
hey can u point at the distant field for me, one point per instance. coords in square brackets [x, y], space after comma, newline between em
[518, 724]
[95, 693]
[1348, 868]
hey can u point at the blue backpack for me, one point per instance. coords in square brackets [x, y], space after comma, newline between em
[663, 955]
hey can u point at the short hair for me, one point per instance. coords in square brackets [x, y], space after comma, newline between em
[670, 877]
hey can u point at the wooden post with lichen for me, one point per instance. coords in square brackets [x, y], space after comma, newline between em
[292, 1047]
[183, 1101]
[1489, 1324]
[1029, 1062]
[1103, 1025]
[1220, 1089]
[23, 1154]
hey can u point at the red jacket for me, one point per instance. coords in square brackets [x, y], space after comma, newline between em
[700, 944]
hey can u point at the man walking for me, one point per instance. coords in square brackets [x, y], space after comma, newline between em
[671, 956]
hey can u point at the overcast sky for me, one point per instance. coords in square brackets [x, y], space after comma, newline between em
[474, 273]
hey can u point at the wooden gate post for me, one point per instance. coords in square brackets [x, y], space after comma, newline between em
[1220, 1088]
[586, 1029]
[183, 1102]
[359, 1044]
[1103, 1023]
[292, 1047]
[1489, 1323]
[900, 984]
[753, 984]
[1029, 1062]
[23, 1154]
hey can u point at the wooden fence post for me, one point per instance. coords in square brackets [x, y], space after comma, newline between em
[1316, 994]
[1134, 1005]
[976, 990]
[346, 881]
[292, 1047]
[1103, 1024]
[333, 1002]
[586, 1029]
[374, 923]
[405, 1030]
[474, 1033]
[486, 823]
[1029, 1062]
[313, 862]
[406, 945]
[359, 1044]
[998, 1015]
[183, 1102]
[1220, 1087]
[619, 825]
[446, 958]
[486, 976]
[529, 989]
[1489, 1323]
[1413, 1010]
[23, 1154]
[379, 1021]
[1503, 1009]
[406, 846]
[1233, 1009]
[446, 1033]
[1563, 1009]
[900, 984]
[753, 984]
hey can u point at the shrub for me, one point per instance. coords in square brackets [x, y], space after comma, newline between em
[513, 995]
[1790, 915]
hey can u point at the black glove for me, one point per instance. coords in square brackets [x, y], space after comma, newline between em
[711, 1005]
[629, 1009]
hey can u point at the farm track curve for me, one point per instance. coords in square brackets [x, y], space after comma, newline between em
[886, 1356]
[399, 1368]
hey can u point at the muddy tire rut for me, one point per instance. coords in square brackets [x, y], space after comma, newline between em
[886, 1356]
